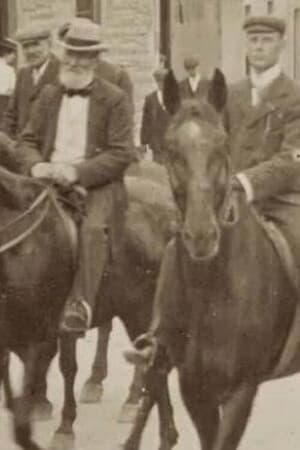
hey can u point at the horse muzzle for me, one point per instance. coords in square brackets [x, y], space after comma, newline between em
[201, 247]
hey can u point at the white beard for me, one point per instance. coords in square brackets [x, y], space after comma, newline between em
[74, 80]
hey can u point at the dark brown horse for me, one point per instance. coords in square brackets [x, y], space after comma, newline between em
[227, 304]
[36, 274]
[128, 288]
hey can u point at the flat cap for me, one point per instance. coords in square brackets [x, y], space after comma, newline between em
[160, 74]
[264, 24]
[190, 62]
[32, 33]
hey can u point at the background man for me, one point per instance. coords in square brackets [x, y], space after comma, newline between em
[155, 118]
[264, 130]
[81, 132]
[41, 69]
[8, 54]
[194, 86]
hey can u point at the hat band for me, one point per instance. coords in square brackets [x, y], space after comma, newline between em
[80, 43]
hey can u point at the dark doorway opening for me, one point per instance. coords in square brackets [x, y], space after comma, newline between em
[165, 30]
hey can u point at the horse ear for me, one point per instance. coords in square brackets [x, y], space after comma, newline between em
[171, 95]
[217, 93]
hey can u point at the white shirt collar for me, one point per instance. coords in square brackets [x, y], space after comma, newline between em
[160, 99]
[38, 72]
[194, 81]
[264, 79]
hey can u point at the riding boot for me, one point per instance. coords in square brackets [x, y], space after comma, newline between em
[93, 251]
[146, 345]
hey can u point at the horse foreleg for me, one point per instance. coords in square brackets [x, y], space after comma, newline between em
[202, 410]
[22, 406]
[64, 436]
[42, 406]
[131, 404]
[235, 415]
[134, 439]
[93, 388]
[167, 429]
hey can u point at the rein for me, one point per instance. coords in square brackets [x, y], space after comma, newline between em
[229, 215]
[42, 198]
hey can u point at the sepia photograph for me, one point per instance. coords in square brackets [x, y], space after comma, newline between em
[149, 224]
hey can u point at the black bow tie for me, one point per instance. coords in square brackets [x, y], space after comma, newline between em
[84, 92]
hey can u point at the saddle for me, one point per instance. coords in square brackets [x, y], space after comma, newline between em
[288, 363]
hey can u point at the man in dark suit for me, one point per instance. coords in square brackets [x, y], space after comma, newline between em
[155, 118]
[80, 132]
[194, 86]
[41, 69]
[263, 116]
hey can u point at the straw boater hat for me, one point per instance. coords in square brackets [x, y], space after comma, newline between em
[264, 24]
[81, 35]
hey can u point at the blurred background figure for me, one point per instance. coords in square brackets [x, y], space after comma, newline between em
[8, 56]
[194, 86]
[41, 68]
[155, 119]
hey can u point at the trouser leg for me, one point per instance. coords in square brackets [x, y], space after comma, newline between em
[93, 253]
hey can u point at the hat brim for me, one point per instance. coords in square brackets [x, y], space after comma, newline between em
[84, 49]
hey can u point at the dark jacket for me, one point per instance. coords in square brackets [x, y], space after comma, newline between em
[186, 92]
[20, 103]
[109, 136]
[155, 120]
[116, 75]
[264, 144]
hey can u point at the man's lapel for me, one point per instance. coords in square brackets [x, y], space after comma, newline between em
[97, 98]
[52, 121]
[48, 77]
[272, 98]
[242, 100]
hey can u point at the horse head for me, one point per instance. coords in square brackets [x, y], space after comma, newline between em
[198, 168]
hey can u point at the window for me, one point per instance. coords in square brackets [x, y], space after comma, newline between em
[85, 8]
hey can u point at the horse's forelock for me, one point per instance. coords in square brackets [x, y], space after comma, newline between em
[201, 113]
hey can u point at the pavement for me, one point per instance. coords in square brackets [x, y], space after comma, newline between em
[274, 424]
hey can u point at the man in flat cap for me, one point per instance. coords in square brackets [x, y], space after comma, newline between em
[155, 118]
[41, 69]
[194, 86]
[80, 132]
[263, 114]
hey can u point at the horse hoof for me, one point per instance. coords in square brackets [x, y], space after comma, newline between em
[91, 392]
[42, 411]
[128, 413]
[63, 441]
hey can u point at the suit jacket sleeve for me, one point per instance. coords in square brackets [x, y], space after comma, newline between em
[145, 136]
[32, 137]
[118, 154]
[280, 174]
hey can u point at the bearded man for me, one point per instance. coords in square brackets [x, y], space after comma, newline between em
[80, 132]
